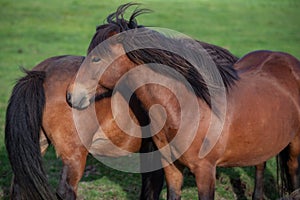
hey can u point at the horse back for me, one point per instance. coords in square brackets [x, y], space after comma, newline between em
[60, 70]
[279, 67]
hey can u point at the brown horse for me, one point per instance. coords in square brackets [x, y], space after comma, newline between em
[261, 94]
[38, 114]
[45, 88]
[42, 93]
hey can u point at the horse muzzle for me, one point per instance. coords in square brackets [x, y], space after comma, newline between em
[78, 97]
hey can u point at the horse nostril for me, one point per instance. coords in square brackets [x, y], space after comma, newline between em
[69, 97]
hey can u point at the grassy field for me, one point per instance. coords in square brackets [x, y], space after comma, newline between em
[33, 30]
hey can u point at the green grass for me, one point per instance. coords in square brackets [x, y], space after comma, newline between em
[32, 30]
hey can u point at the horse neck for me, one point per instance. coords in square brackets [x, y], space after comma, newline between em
[172, 95]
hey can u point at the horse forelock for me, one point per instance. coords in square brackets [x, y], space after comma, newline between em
[117, 23]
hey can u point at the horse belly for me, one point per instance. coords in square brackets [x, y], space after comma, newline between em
[261, 125]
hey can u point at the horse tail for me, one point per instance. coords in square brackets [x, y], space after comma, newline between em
[152, 181]
[282, 168]
[22, 131]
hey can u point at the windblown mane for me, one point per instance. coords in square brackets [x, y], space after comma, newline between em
[116, 23]
[223, 59]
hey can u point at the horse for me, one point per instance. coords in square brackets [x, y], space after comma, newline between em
[38, 114]
[50, 77]
[261, 116]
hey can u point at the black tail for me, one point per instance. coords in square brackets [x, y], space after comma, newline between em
[22, 131]
[153, 181]
[282, 168]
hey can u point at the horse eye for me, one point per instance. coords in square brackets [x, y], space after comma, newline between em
[96, 59]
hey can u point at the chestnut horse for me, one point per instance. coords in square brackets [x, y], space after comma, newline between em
[261, 103]
[45, 88]
[38, 105]
[38, 114]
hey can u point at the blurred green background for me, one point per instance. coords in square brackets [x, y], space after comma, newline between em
[32, 30]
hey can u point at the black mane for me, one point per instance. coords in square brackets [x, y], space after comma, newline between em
[116, 23]
[222, 58]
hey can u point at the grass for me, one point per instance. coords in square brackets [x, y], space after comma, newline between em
[32, 30]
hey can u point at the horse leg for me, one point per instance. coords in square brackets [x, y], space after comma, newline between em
[293, 167]
[174, 179]
[205, 174]
[287, 160]
[293, 164]
[73, 168]
[259, 181]
[73, 154]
